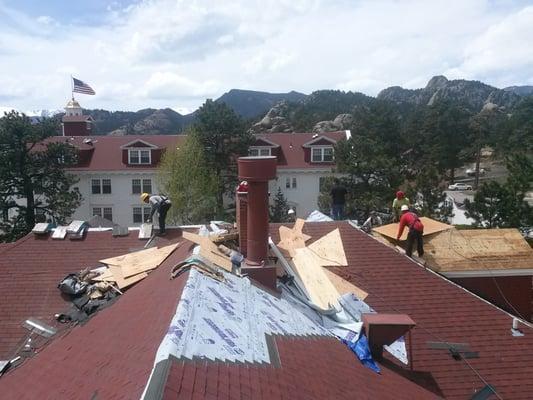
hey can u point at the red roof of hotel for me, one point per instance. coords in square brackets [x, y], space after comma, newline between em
[443, 311]
[112, 355]
[292, 151]
[107, 152]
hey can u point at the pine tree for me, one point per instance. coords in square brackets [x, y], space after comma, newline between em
[279, 211]
[32, 175]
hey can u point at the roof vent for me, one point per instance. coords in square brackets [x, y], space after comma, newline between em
[59, 233]
[76, 227]
[42, 228]
[515, 331]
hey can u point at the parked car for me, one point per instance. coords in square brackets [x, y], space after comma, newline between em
[472, 171]
[459, 186]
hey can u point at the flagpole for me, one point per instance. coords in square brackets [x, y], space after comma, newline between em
[72, 87]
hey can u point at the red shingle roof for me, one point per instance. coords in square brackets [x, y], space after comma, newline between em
[112, 355]
[450, 313]
[107, 152]
[292, 150]
[31, 268]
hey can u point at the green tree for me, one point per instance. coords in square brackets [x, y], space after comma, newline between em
[503, 205]
[223, 137]
[280, 209]
[32, 175]
[446, 136]
[372, 175]
[186, 178]
[432, 202]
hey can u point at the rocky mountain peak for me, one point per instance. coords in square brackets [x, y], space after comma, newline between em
[437, 82]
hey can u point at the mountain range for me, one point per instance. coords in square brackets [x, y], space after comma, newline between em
[253, 105]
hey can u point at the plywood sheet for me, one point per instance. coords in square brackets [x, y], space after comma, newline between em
[291, 239]
[145, 231]
[140, 261]
[209, 250]
[330, 249]
[430, 226]
[317, 284]
[478, 250]
[123, 282]
[343, 286]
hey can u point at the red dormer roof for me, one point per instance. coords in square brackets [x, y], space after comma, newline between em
[294, 148]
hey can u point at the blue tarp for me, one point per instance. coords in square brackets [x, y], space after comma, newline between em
[362, 351]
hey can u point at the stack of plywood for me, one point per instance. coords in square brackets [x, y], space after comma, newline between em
[130, 268]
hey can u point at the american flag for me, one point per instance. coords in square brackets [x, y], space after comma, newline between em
[81, 87]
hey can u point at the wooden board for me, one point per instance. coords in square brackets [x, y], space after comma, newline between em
[330, 249]
[430, 226]
[209, 250]
[478, 250]
[317, 284]
[123, 282]
[140, 261]
[106, 276]
[291, 239]
[343, 286]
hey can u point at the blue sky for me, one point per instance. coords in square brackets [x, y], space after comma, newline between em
[177, 53]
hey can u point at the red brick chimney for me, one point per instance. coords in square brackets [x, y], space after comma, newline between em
[257, 171]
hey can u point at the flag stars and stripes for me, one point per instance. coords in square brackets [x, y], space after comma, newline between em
[81, 87]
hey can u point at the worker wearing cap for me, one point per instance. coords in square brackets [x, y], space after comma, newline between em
[397, 204]
[416, 230]
[158, 203]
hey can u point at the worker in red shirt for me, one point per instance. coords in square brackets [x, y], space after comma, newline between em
[416, 230]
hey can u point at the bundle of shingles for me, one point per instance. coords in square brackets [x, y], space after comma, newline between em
[127, 269]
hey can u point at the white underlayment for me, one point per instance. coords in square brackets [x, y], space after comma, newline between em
[228, 321]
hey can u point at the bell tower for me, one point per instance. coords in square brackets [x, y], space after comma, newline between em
[74, 123]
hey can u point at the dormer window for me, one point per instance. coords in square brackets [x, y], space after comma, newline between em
[138, 156]
[259, 151]
[322, 154]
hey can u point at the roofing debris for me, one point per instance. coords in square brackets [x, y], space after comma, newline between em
[317, 216]
[130, 268]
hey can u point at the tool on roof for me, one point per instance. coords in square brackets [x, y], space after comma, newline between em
[36, 326]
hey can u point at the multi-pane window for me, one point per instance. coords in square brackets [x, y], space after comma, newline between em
[101, 186]
[140, 214]
[322, 154]
[294, 183]
[139, 156]
[106, 212]
[139, 186]
[258, 151]
[290, 183]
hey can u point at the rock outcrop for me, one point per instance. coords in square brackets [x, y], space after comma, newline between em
[473, 94]
[275, 121]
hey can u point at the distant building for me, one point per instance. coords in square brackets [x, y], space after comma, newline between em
[114, 170]
[304, 160]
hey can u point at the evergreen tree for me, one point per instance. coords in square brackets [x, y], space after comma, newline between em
[429, 187]
[503, 205]
[32, 175]
[185, 177]
[279, 211]
[223, 137]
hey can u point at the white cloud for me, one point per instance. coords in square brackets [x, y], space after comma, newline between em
[164, 53]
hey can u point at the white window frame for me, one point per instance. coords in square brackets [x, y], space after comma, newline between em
[101, 186]
[143, 187]
[322, 153]
[260, 149]
[138, 152]
[101, 213]
[145, 213]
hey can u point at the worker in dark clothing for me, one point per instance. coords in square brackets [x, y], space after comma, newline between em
[158, 203]
[416, 230]
[338, 199]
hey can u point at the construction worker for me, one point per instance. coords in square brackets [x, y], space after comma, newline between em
[416, 231]
[159, 203]
[397, 204]
[373, 220]
[338, 199]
